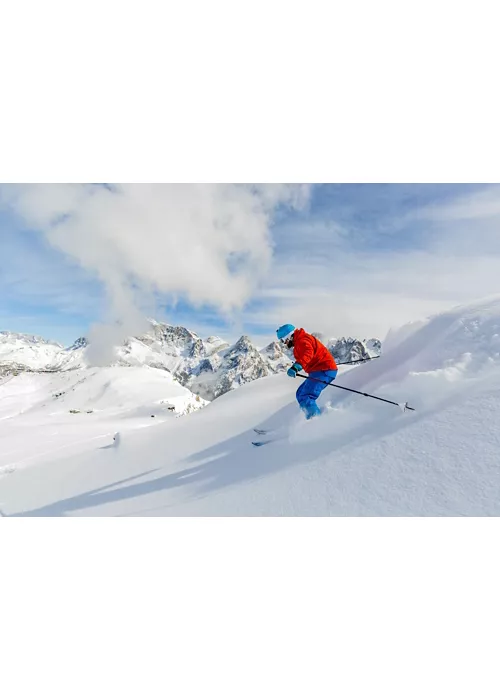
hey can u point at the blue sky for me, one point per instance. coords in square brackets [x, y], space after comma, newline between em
[42, 291]
[343, 259]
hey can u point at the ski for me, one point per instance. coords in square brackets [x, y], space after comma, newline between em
[264, 431]
[264, 442]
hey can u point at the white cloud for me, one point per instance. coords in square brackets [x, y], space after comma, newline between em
[366, 297]
[214, 244]
[477, 205]
[329, 282]
[209, 244]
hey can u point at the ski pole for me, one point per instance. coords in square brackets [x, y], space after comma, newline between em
[404, 406]
[355, 362]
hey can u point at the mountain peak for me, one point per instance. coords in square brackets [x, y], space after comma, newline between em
[11, 336]
[209, 367]
[81, 342]
[243, 344]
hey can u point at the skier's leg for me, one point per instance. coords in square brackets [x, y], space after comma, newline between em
[309, 391]
[300, 391]
[325, 378]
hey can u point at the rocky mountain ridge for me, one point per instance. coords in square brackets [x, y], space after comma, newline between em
[208, 367]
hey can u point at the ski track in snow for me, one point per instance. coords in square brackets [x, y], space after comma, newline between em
[362, 457]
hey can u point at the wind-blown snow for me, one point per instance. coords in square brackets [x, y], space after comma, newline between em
[362, 457]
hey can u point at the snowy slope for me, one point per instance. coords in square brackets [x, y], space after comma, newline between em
[43, 414]
[362, 457]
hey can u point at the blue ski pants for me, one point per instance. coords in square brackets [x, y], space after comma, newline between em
[309, 391]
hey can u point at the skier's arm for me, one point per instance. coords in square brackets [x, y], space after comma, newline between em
[304, 353]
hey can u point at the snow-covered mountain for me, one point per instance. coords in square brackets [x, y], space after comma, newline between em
[361, 457]
[20, 352]
[351, 349]
[208, 367]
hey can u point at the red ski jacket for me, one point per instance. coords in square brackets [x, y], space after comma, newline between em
[312, 355]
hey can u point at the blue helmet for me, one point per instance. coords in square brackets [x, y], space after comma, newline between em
[285, 331]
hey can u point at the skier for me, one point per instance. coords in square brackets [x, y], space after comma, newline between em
[315, 359]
